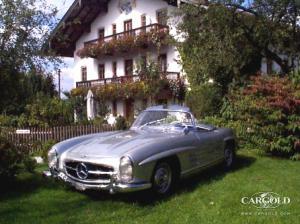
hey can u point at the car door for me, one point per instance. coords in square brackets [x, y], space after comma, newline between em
[207, 146]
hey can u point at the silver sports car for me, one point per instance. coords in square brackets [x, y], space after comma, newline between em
[163, 145]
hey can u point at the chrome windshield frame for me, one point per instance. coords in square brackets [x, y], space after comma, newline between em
[169, 110]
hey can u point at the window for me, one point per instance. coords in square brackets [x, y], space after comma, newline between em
[83, 73]
[114, 69]
[128, 110]
[114, 108]
[114, 30]
[143, 23]
[129, 67]
[128, 26]
[101, 71]
[101, 34]
[162, 60]
[143, 20]
[162, 16]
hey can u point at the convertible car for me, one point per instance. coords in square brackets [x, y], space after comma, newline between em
[163, 145]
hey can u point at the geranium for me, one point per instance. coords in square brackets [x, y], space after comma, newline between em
[142, 40]
[125, 43]
[158, 89]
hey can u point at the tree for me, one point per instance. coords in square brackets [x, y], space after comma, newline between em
[19, 89]
[227, 39]
[48, 111]
[24, 29]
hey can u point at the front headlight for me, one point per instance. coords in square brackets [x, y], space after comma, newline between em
[126, 169]
[52, 158]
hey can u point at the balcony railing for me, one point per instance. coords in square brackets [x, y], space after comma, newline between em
[134, 32]
[122, 79]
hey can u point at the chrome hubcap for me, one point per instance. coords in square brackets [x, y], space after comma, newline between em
[163, 178]
[228, 157]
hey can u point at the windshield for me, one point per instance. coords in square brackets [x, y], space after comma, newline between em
[162, 118]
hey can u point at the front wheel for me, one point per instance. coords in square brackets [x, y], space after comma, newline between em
[163, 178]
[229, 158]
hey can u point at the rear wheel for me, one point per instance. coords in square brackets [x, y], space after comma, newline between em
[163, 179]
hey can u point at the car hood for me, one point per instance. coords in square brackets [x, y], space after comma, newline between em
[116, 144]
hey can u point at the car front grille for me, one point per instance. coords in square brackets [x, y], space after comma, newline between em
[90, 173]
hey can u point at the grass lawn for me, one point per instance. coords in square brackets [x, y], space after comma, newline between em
[211, 197]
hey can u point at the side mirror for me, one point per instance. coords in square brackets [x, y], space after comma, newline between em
[186, 130]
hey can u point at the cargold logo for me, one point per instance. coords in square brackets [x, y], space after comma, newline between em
[266, 200]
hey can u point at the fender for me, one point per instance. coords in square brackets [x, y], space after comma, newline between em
[168, 153]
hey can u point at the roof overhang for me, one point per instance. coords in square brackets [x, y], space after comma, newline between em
[77, 21]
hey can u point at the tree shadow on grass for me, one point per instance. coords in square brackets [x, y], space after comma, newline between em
[31, 183]
[25, 185]
[146, 198]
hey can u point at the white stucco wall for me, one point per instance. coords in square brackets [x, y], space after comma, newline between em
[114, 16]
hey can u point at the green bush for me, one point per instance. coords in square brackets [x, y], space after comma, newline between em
[42, 111]
[266, 115]
[99, 120]
[204, 100]
[29, 164]
[14, 159]
[9, 121]
[45, 149]
[11, 159]
[121, 123]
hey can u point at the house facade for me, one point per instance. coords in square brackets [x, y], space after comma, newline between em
[111, 40]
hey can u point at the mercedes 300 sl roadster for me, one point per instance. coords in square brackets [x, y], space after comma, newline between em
[163, 145]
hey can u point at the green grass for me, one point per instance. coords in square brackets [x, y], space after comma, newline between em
[211, 197]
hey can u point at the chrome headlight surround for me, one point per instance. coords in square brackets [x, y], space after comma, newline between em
[52, 158]
[126, 169]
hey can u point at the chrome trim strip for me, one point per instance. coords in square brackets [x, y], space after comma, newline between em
[71, 168]
[100, 172]
[88, 181]
[93, 172]
[112, 187]
[202, 166]
[88, 162]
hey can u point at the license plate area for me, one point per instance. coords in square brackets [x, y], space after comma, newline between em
[63, 177]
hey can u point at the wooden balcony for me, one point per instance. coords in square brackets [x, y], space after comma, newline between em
[122, 79]
[134, 32]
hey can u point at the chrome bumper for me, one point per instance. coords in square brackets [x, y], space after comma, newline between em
[112, 187]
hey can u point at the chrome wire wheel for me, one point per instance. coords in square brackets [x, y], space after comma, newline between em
[228, 154]
[162, 179]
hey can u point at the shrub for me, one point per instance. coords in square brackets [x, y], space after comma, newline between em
[121, 123]
[266, 114]
[204, 100]
[8, 121]
[45, 149]
[29, 164]
[44, 111]
[11, 159]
